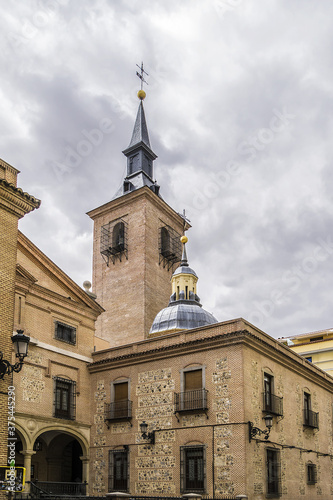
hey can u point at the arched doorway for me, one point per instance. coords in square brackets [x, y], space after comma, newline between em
[57, 458]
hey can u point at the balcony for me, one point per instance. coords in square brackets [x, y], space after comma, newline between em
[119, 410]
[191, 401]
[272, 404]
[310, 419]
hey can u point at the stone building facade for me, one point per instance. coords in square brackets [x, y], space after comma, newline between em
[52, 396]
[234, 360]
[14, 204]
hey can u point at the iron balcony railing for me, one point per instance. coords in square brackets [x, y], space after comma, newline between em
[191, 400]
[310, 419]
[44, 489]
[272, 404]
[119, 410]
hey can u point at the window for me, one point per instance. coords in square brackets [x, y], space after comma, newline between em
[310, 418]
[273, 471]
[64, 398]
[271, 403]
[170, 249]
[193, 469]
[309, 358]
[193, 395]
[120, 407]
[65, 333]
[165, 242]
[311, 473]
[114, 240]
[118, 470]
[118, 237]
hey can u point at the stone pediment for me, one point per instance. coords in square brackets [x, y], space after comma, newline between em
[36, 269]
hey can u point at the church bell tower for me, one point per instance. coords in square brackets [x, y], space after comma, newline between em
[136, 246]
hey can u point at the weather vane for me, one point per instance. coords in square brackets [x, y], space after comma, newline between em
[140, 75]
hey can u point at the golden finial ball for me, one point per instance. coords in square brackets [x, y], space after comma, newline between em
[184, 239]
[141, 94]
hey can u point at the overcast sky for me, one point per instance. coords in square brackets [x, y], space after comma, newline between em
[239, 110]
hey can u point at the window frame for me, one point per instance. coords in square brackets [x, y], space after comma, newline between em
[111, 473]
[273, 477]
[71, 328]
[311, 473]
[60, 384]
[184, 486]
[271, 402]
[125, 410]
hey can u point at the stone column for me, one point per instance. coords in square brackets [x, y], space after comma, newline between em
[27, 454]
[85, 468]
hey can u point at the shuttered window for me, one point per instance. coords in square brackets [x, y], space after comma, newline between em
[120, 391]
[193, 380]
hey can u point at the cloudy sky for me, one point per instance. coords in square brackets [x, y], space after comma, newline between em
[239, 110]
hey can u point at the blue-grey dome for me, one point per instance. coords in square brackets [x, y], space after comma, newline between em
[182, 316]
[184, 270]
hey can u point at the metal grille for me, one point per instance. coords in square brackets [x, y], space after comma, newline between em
[65, 332]
[191, 400]
[310, 419]
[64, 398]
[311, 473]
[273, 471]
[114, 240]
[118, 470]
[118, 410]
[193, 469]
[272, 404]
[170, 249]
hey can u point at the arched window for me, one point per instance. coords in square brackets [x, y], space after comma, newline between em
[165, 242]
[118, 237]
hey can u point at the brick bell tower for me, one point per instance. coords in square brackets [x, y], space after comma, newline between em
[136, 246]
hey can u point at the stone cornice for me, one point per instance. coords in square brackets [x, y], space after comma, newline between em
[126, 199]
[15, 200]
[211, 337]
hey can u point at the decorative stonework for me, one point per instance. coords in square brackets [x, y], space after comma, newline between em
[99, 465]
[33, 385]
[221, 406]
[155, 463]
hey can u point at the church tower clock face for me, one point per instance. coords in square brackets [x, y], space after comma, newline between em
[136, 246]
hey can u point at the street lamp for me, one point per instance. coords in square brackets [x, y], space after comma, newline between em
[145, 434]
[21, 344]
[255, 431]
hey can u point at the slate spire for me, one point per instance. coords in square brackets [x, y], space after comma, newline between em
[140, 156]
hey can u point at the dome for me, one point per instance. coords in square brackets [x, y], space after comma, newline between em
[181, 316]
[184, 270]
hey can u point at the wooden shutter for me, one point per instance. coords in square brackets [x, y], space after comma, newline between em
[193, 380]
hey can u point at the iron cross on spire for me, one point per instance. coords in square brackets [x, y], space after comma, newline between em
[140, 75]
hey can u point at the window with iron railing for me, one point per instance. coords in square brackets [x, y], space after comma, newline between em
[118, 470]
[120, 407]
[310, 418]
[65, 333]
[271, 403]
[193, 397]
[193, 469]
[273, 473]
[64, 398]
